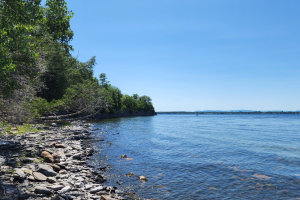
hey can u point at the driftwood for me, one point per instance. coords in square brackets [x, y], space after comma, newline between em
[69, 120]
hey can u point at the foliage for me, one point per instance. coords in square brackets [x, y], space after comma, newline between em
[39, 79]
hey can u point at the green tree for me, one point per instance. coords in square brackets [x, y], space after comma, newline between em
[103, 80]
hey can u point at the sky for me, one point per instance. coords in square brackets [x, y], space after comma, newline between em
[192, 55]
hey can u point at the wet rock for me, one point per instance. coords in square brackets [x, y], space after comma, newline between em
[39, 176]
[48, 157]
[41, 190]
[60, 146]
[96, 189]
[46, 170]
[129, 159]
[130, 174]
[143, 178]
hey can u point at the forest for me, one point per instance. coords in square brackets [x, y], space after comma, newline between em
[40, 79]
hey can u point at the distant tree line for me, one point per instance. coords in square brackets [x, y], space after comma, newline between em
[40, 79]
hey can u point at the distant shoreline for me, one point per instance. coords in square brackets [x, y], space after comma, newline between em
[230, 113]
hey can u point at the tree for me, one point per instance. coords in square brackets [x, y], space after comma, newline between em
[103, 80]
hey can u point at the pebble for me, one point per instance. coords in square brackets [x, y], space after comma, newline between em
[71, 177]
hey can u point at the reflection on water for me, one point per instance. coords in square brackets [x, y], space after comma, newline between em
[203, 157]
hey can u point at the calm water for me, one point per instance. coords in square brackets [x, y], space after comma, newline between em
[205, 156]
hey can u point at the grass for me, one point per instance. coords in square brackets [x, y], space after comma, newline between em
[17, 130]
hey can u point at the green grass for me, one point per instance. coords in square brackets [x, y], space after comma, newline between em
[16, 130]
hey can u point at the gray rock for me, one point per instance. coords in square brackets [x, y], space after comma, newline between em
[96, 189]
[51, 180]
[41, 190]
[19, 174]
[65, 190]
[39, 176]
[47, 171]
[63, 171]
[55, 187]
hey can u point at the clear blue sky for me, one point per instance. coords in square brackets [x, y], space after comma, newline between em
[195, 54]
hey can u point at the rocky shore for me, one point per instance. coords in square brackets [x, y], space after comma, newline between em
[52, 164]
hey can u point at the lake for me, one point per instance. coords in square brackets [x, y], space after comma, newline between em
[203, 157]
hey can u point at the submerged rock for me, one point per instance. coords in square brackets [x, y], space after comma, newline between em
[143, 178]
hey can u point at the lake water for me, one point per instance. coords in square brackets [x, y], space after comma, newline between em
[203, 157]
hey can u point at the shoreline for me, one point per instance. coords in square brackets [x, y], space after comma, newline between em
[52, 164]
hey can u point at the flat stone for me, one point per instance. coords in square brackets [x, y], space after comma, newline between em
[106, 197]
[41, 190]
[60, 146]
[65, 190]
[19, 174]
[87, 187]
[51, 179]
[46, 170]
[55, 187]
[96, 189]
[39, 176]
[63, 171]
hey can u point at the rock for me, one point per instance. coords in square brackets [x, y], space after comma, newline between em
[52, 143]
[28, 160]
[77, 156]
[39, 176]
[48, 157]
[55, 167]
[129, 159]
[79, 185]
[51, 180]
[63, 172]
[24, 196]
[31, 178]
[143, 178]
[106, 197]
[87, 187]
[96, 189]
[65, 190]
[19, 174]
[55, 187]
[60, 146]
[56, 156]
[123, 156]
[130, 174]
[47, 171]
[41, 190]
